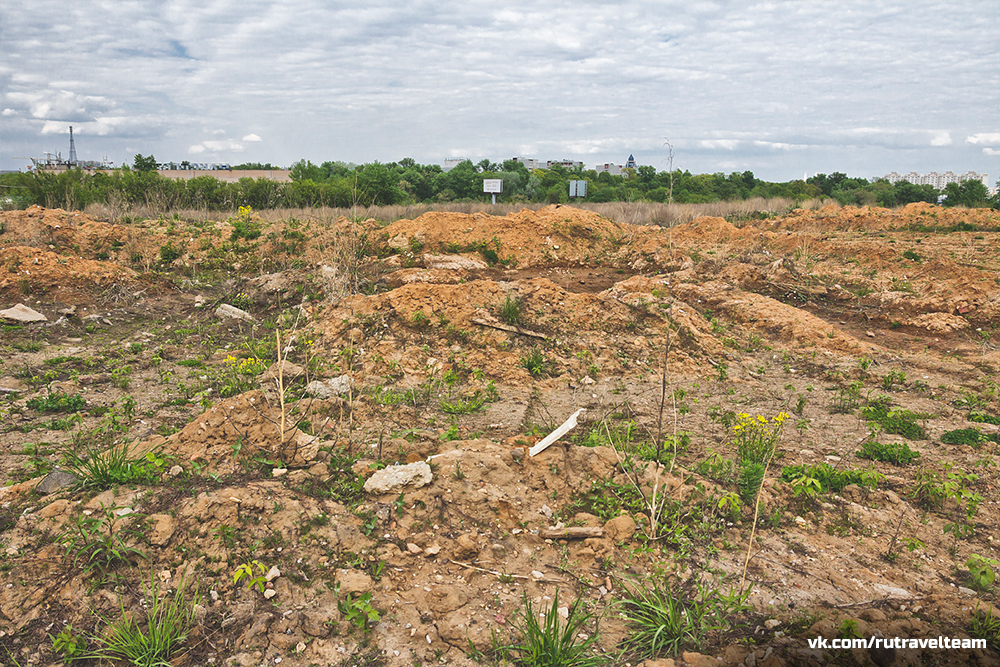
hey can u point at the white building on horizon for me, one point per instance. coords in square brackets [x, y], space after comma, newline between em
[937, 180]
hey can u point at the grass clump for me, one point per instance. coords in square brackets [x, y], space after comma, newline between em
[154, 640]
[665, 620]
[983, 418]
[547, 640]
[536, 363]
[510, 311]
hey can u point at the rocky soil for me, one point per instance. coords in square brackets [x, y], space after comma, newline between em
[349, 410]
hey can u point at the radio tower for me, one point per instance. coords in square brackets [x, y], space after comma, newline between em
[72, 147]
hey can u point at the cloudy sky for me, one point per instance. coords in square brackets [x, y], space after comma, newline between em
[779, 88]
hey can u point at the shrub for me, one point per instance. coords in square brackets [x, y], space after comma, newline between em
[57, 402]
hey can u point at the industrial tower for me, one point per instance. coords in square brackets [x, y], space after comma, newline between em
[72, 148]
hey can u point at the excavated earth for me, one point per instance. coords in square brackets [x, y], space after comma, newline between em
[452, 344]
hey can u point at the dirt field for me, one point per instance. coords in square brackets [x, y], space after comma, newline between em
[862, 342]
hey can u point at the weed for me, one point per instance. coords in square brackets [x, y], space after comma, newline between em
[246, 571]
[358, 611]
[755, 439]
[667, 619]
[981, 571]
[896, 453]
[847, 399]
[967, 436]
[168, 621]
[95, 546]
[510, 310]
[985, 625]
[551, 640]
[463, 405]
[895, 420]
[68, 645]
[57, 402]
[536, 363]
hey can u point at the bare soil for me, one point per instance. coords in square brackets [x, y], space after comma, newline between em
[662, 335]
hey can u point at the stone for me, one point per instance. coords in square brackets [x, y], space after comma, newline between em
[699, 660]
[22, 313]
[225, 311]
[287, 369]
[353, 581]
[621, 528]
[9, 385]
[393, 478]
[163, 527]
[56, 480]
[330, 388]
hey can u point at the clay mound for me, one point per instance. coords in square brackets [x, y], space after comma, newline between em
[32, 271]
[554, 236]
[717, 229]
[54, 228]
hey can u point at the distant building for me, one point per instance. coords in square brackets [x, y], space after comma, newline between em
[568, 164]
[452, 162]
[630, 163]
[529, 162]
[613, 169]
[938, 181]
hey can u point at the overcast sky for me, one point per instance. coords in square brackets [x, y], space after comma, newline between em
[779, 88]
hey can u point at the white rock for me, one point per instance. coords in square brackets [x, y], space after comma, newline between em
[270, 593]
[273, 573]
[21, 313]
[225, 310]
[391, 479]
[337, 386]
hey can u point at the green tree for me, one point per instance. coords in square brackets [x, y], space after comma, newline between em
[140, 163]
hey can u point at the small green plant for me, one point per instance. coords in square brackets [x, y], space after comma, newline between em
[830, 478]
[985, 625]
[893, 378]
[536, 363]
[463, 405]
[849, 629]
[981, 570]
[57, 402]
[895, 420]
[358, 611]
[847, 399]
[94, 545]
[245, 571]
[68, 645]
[966, 436]
[547, 639]
[755, 438]
[419, 319]
[510, 310]
[896, 453]
[912, 256]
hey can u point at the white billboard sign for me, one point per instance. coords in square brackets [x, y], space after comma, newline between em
[494, 185]
[578, 188]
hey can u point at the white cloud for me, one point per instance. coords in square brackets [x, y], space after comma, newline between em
[9, 112]
[726, 144]
[252, 137]
[991, 151]
[941, 139]
[197, 149]
[988, 138]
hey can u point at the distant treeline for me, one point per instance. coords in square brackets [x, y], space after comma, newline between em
[343, 185]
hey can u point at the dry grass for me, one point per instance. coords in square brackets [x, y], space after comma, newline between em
[635, 213]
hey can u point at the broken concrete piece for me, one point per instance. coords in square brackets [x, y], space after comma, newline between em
[21, 313]
[393, 478]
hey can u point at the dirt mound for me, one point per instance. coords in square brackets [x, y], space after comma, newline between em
[61, 279]
[553, 236]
